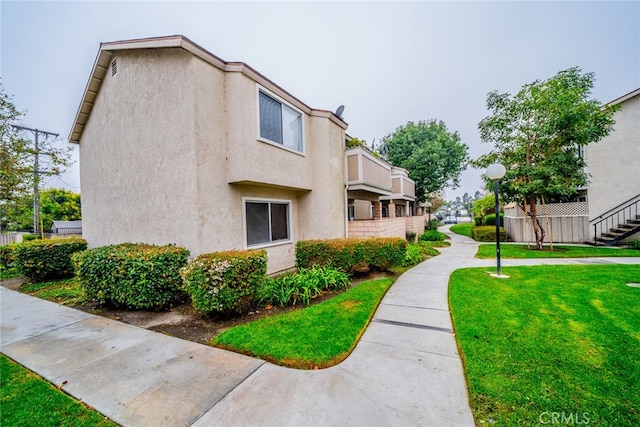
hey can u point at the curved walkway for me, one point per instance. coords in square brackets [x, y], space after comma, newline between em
[404, 371]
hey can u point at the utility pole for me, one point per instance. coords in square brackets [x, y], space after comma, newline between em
[37, 228]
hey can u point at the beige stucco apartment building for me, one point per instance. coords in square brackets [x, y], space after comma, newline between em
[614, 164]
[178, 146]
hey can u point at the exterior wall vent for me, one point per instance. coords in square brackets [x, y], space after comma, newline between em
[114, 67]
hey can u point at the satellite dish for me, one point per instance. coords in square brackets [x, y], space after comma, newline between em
[339, 111]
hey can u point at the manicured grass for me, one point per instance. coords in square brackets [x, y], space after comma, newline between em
[28, 400]
[463, 229]
[550, 339]
[522, 251]
[65, 291]
[8, 273]
[315, 337]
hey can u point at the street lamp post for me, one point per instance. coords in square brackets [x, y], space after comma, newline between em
[495, 172]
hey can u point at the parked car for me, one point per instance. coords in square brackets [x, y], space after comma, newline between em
[451, 219]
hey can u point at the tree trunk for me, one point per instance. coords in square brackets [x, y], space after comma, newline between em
[537, 227]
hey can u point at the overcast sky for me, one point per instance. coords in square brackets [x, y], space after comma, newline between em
[387, 62]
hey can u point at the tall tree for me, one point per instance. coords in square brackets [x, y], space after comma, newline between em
[22, 164]
[538, 135]
[16, 171]
[59, 204]
[433, 156]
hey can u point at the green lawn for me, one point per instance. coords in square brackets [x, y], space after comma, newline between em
[315, 337]
[550, 339]
[488, 250]
[28, 400]
[64, 291]
[463, 229]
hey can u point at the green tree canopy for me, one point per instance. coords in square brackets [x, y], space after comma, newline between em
[16, 172]
[538, 135]
[56, 204]
[433, 156]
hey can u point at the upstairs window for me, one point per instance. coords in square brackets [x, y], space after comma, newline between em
[280, 123]
[266, 222]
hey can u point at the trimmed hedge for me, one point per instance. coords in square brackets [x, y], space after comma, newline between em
[7, 256]
[47, 259]
[133, 275]
[490, 219]
[487, 233]
[432, 236]
[352, 255]
[225, 282]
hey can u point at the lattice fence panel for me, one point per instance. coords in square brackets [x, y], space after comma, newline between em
[552, 210]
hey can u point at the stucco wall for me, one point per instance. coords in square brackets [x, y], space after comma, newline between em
[614, 162]
[137, 152]
[171, 148]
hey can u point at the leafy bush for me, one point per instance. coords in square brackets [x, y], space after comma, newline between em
[47, 259]
[31, 237]
[225, 282]
[428, 249]
[478, 221]
[7, 256]
[432, 236]
[487, 233]
[414, 255]
[411, 236]
[352, 255]
[634, 244]
[306, 284]
[490, 219]
[433, 224]
[133, 275]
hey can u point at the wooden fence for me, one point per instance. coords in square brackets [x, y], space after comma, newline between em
[562, 222]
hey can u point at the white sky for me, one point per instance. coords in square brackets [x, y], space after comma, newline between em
[387, 62]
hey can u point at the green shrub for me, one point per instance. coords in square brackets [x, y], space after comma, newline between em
[432, 236]
[411, 236]
[414, 255]
[478, 221]
[7, 256]
[490, 219]
[635, 244]
[352, 255]
[487, 233]
[225, 282]
[47, 259]
[133, 275]
[31, 237]
[433, 224]
[303, 286]
[427, 249]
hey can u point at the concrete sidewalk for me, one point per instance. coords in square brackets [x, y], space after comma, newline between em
[404, 371]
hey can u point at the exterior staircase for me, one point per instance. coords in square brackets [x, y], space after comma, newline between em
[617, 224]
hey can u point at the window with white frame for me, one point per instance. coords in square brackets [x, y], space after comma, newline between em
[266, 222]
[280, 123]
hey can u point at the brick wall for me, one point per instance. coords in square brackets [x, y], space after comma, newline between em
[386, 227]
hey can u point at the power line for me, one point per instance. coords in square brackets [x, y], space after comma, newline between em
[36, 170]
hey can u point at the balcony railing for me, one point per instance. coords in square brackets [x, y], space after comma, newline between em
[367, 173]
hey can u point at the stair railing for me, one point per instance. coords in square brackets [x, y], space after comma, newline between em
[613, 218]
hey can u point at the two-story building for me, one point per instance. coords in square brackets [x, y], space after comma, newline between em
[179, 146]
